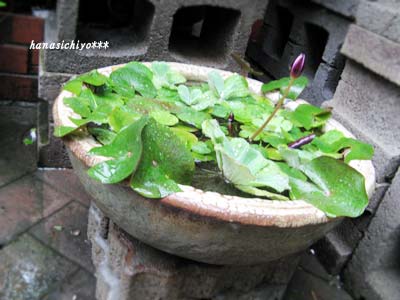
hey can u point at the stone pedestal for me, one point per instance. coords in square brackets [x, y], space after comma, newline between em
[128, 269]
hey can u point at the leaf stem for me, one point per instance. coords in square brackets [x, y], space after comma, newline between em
[277, 107]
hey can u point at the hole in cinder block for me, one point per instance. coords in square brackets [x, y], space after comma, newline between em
[124, 23]
[316, 39]
[203, 33]
[277, 30]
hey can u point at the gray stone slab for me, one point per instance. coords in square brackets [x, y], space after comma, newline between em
[374, 52]
[381, 17]
[16, 159]
[368, 105]
[347, 8]
[79, 286]
[29, 270]
[305, 286]
[23, 203]
[374, 270]
[70, 240]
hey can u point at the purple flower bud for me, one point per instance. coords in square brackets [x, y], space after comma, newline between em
[298, 66]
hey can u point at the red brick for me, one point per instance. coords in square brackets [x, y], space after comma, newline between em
[35, 56]
[21, 29]
[18, 87]
[14, 59]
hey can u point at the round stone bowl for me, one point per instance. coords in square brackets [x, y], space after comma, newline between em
[199, 225]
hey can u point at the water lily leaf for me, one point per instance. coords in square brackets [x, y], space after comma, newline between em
[164, 117]
[241, 164]
[193, 117]
[133, 76]
[336, 188]
[281, 84]
[74, 86]
[165, 163]
[126, 149]
[334, 141]
[93, 78]
[216, 82]
[310, 116]
[79, 105]
[127, 140]
[186, 137]
[261, 193]
[114, 170]
[121, 117]
[104, 136]
[235, 86]
[164, 76]
[61, 131]
[201, 148]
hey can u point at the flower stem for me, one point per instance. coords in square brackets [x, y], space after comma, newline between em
[277, 107]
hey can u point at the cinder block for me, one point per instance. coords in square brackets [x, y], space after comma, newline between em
[128, 269]
[384, 59]
[336, 247]
[368, 105]
[158, 32]
[14, 59]
[50, 84]
[54, 154]
[380, 17]
[291, 28]
[347, 8]
[374, 271]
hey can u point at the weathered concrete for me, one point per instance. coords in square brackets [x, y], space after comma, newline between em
[374, 270]
[347, 8]
[28, 269]
[127, 268]
[291, 28]
[374, 52]
[156, 36]
[380, 17]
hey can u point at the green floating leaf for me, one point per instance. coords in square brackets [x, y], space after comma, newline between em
[121, 117]
[235, 86]
[61, 131]
[93, 78]
[309, 116]
[164, 76]
[334, 141]
[261, 193]
[281, 84]
[126, 149]
[165, 163]
[104, 136]
[193, 117]
[336, 188]
[133, 77]
[79, 105]
[164, 117]
[241, 164]
[185, 136]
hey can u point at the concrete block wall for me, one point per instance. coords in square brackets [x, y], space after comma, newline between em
[292, 27]
[204, 32]
[367, 101]
[127, 269]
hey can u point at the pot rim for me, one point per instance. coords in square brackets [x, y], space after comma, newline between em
[248, 211]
